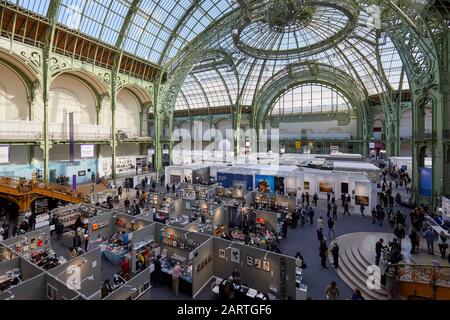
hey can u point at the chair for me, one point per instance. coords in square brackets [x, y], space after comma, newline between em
[215, 287]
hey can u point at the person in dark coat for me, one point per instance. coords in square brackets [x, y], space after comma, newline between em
[335, 253]
[157, 271]
[378, 249]
[323, 253]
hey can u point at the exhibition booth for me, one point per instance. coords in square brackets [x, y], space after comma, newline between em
[36, 247]
[105, 233]
[188, 173]
[406, 163]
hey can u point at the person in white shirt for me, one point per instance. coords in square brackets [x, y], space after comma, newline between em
[320, 223]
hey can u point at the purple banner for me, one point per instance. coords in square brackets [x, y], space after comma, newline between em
[74, 182]
[71, 138]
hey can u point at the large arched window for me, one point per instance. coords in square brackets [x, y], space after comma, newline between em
[310, 99]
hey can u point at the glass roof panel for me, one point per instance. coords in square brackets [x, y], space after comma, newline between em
[310, 99]
[36, 6]
[101, 19]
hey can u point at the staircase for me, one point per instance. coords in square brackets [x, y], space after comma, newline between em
[23, 192]
[354, 260]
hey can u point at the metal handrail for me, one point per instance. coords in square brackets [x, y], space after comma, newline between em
[439, 275]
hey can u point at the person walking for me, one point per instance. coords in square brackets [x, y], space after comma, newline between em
[400, 233]
[442, 243]
[320, 223]
[430, 236]
[415, 240]
[315, 199]
[119, 192]
[329, 208]
[323, 254]
[346, 207]
[320, 234]
[332, 291]
[335, 254]
[335, 207]
[362, 208]
[311, 215]
[378, 249]
[330, 224]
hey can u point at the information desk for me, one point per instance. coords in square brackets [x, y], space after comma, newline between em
[185, 285]
[243, 293]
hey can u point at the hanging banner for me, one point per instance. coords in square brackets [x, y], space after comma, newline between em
[4, 154]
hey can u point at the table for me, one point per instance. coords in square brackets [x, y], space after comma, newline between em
[115, 254]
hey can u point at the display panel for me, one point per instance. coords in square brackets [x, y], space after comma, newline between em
[265, 184]
[279, 185]
[306, 185]
[4, 154]
[87, 150]
[326, 186]
[426, 179]
[359, 200]
[344, 187]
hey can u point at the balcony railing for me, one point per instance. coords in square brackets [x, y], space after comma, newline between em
[83, 132]
[20, 130]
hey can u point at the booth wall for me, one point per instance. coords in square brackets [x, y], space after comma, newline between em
[255, 278]
[9, 265]
[103, 232]
[33, 289]
[92, 267]
[200, 278]
[123, 293]
[28, 269]
[63, 290]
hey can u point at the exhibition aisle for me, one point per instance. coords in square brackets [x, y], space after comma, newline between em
[304, 240]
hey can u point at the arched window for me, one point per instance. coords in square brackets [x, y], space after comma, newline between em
[310, 99]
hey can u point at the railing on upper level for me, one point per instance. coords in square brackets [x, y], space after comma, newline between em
[425, 274]
[20, 130]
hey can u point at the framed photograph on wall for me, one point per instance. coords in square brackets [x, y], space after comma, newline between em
[235, 255]
[250, 261]
[257, 263]
[266, 266]
[222, 253]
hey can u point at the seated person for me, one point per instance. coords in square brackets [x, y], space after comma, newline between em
[106, 288]
[236, 275]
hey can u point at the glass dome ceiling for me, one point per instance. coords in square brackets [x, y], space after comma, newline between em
[271, 35]
[287, 28]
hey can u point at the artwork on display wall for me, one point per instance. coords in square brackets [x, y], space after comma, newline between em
[257, 263]
[326, 186]
[306, 185]
[359, 200]
[266, 265]
[250, 261]
[235, 255]
[291, 192]
[222, 253]
[265, 184]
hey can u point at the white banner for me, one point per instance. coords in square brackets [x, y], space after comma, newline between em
[4, 154]
[87, 151]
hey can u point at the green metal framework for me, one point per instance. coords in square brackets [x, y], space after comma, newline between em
[165, 51]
